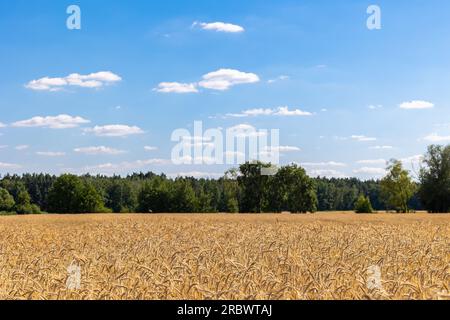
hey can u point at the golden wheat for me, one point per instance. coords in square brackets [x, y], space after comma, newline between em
[322, 256]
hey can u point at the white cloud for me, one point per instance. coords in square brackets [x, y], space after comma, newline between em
[362, 138]
[234, 154]
[246, 130]
[416, 104]
[282, 149]
[176, 87]
[150, 148]
[2, 125]
[62, 121]
[99, 150]
[381, 147]
[197, 174]
[4, 165]
[253, 113]
[220, 27]
[370, 171]
[436, 138]
[280, 111]
[224, 79]
[93, 80]
[416, 159]
[272, 151]
[375, 107]
[323, 164]
[115, 130]
[3, 146]
[284, 111]
[280, 78]
[110, 168]
[373, 162]
[201, 144]
[22, 147]
[50, 154]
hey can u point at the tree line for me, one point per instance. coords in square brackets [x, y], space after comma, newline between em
[244, 189]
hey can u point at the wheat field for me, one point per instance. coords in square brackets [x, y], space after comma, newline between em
[321, 256]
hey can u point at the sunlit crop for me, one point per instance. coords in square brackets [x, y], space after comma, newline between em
[322, 256]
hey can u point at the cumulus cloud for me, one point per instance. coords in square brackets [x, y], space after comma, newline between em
[219, 27]
[50, 154]
[279, 78]
[150, 148]
[246, 130]
[282, 149]
[93, 80]
[224, 79]
[416, 159]
[252, 113]
[62, 121]
[22, 147]
[373, 162]
[323, 164]
[4, 165]
[176, 87]
[221, 80]
[115, 130]
[99, 150]
[280, 111]
[436, 138]
[362, 138]
[127, 166]
[370, 171]
[416, 104]
[284, 111]
[381, 147]
[234, 154]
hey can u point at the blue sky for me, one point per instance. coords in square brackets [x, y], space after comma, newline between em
[349, 97]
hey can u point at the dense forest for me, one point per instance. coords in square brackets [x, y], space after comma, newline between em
[243, 189]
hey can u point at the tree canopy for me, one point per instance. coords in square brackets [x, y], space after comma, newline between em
[250, 188]
[397, 188]
[434, 190]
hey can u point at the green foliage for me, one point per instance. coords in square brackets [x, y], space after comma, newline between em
[397, 188]
[341, 194]
[21, 197]
[292, 190]
[120, 196]
[27, 209]
[64, 196]
[230, 192]
[253, 187]
[90, 200]
[363, 205]
[7, 202]
[69, 194]
[434, 191]
[154, 197]
[183, 198]
[242, 189]
[23, 204]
